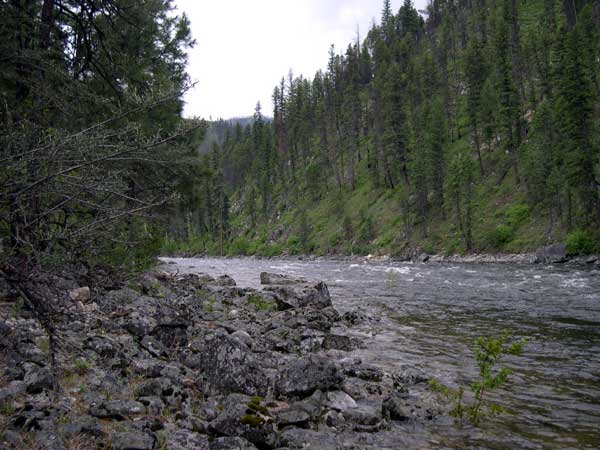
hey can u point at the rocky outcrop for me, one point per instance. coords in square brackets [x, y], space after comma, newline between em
[194, 362]
[555, 253]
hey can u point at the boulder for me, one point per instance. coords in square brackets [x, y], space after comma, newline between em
[118, 409]
[228, 365]
[305, 375]
[337, 342]
[225, 280]
[81, 294]
[298, 438]
[37, 380]
[395, 408]
[132, 440]
[280, 279]
[185, 440]
[238, 418]
[301, 296]
[555, 253]
[231, 443]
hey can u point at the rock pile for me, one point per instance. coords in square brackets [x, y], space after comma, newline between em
[194, 362]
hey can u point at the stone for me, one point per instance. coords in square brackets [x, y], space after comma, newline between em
[555, 253]
[186, 440]
[300, 439]
[340, 401]
[242, 337]
[225, 280]
[280, 279]
[82, 424]
[231, 443]
[132, 440]
[228, 365]
[37, 380]
[81, 294]
[118, 409]
[301, 296]
[365, 418]
[237, 418]
[12, 390]
[154, 346]
[293, 417]
[337, 342]
[305, 375]
[395, 408]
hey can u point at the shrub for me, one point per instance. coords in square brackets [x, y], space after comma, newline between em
[580, 242]
[517, 214]
[487, 351]
[501, 235]
[239, 246]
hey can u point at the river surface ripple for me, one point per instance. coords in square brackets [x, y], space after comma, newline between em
[430, 314]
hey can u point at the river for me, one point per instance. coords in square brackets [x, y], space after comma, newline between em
[428, 316]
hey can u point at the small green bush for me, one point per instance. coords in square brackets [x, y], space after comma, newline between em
[580, 242]
[239, 246]
[500, 235]
[517, 214]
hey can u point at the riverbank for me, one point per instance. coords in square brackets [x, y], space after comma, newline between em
[485, 258]
[194, 361]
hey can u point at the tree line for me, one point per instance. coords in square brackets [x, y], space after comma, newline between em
[441, 107]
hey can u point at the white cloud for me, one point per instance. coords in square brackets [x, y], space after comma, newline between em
[245, 47]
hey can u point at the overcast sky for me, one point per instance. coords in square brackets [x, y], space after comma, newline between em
[244, 47]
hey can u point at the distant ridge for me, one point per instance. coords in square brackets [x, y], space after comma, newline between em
[217, 131]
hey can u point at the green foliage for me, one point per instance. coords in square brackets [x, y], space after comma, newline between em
[260, 303]
[500, 235]
[239, 246]
[580, 242]
[517, 214]
[488, 351]
[7, 408]
[81, 366]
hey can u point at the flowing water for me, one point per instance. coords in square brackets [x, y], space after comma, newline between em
[429, 316]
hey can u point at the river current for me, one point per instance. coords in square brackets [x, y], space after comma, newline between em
[427, 317]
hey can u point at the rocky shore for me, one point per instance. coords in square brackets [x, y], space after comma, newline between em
[194, 362]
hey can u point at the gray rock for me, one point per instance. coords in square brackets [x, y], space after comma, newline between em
[301, 296]
[118, 409]
[337, 342]
[340, 401]
[231, 443]
[132, 440]
[395, 408]
[305, 375]
[37, 380]
[555, 253]
[365, 372]
[82, 424]
[365, 418]
[228, 365]
[280, 279]
[154, 405]
[49, 440]
[225, 280]
[233, 421]
[293, 417]
[154, 346]
[102, 345]
[300, 439]
[186, 440]
[12, 390]
[243, 337]
[81, 294]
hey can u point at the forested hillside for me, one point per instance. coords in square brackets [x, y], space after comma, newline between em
[471, 128]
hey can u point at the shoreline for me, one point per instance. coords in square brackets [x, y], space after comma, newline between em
[529, 258]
